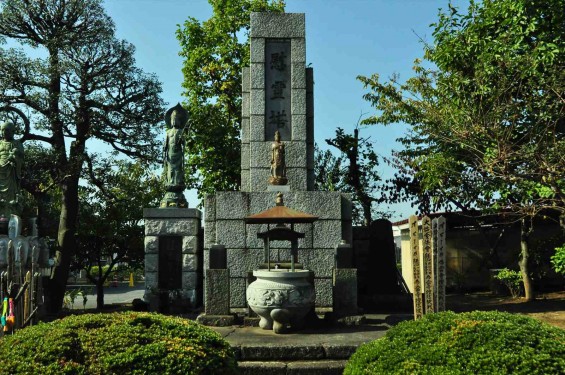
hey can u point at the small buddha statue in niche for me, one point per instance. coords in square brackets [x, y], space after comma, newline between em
[278, 165]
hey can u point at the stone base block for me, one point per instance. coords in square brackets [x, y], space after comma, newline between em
[217, 292]
[251, 321]
[345, 292]
[216, 320]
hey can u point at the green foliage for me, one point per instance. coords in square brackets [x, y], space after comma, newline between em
[511, 279]
[485, 109]
[328, 170]
[110, 226]
[467, 343]
[119, 343]
[80, 83]
[558, 260]
[355, 171]
[72, 295]
[214, 52]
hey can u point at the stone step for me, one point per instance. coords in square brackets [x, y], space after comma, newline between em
[319, 367]
[274, 352]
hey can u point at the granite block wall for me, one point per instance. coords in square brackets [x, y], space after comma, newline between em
[225, 225]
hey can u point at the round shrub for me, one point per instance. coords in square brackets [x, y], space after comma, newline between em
[119, 343]
[468, 343]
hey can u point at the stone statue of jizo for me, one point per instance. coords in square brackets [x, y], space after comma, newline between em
[11, 162]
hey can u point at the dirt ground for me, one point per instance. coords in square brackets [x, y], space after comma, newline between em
[547, 307]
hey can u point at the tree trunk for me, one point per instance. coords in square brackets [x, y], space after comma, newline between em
[100, 294]
[525, 231]
[67, 244]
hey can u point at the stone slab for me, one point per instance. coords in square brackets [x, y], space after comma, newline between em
[245, 129]
[231, 233]
[257, 102]
[325, 367]
[327, 233]
[217, 292]
[278, 25]
[189, 280]
[238, 287]
[173, 226]
[245, 161]
[231, 205]
[298, 80]
[189, 262]
[298, 50]
[244, 180]
[257, 128]
[151, 263]
[257, 50]
[242, 261]
[209, 234]
[345, 292]
[245, 104]
[261, 367]
[172, 213]
[277, 352]
[298, 102]
[190, 244]
[299, 127]
[151, 244]
[151, 280]
[297, 178]
[323, 291]
[257, 73]
[259, 179]
[209, 207]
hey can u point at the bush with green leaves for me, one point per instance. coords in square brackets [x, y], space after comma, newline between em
[467, 343]
[511, 279]
[119, 343]
[558, 260]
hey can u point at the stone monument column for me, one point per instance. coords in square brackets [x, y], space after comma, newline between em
[275, 92]
[277, 155]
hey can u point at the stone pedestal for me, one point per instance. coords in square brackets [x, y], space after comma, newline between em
[173, 258]
[345, 292]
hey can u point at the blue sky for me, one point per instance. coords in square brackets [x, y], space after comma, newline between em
[344, 39]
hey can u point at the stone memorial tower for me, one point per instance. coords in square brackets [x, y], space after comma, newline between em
[277, 155]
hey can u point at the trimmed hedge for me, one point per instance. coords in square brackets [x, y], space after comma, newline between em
[467, 343]
[119, 343]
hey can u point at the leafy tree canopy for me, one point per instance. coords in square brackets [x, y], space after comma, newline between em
[110, 228]
[214, 52]
[86, 87]
[486, 106]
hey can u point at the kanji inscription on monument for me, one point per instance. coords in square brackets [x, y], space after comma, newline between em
[428, 264]
[415, 251]
[277, 89]
[441, 263]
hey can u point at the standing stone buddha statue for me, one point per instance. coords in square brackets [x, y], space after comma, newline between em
[176, 119]
[278, 164]
[11, 162]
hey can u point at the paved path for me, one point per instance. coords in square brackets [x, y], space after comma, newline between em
[122, 294]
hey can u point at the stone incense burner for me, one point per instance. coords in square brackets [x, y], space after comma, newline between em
[281, 296]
